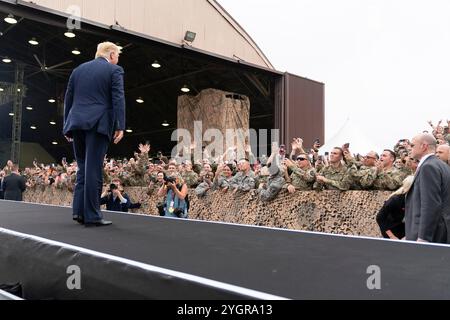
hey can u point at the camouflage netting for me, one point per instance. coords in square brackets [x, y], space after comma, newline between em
[348, 213]
[216, 110]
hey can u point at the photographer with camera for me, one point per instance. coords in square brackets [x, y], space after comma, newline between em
[176, 203]
[116, 200]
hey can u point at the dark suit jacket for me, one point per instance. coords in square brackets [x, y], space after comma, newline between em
[391, 216]
[14, 186]
[95, 96]
[428, 203]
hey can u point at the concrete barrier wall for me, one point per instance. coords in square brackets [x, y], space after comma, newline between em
[348, 213]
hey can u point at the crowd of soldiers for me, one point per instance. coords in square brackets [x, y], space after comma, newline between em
[300, 171]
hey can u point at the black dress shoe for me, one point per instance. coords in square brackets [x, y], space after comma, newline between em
[78, 219]
[101, 223]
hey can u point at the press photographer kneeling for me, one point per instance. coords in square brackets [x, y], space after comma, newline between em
[176, 203]
[116, 200]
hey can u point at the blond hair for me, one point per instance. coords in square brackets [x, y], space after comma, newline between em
[407, 183]
[104, 49]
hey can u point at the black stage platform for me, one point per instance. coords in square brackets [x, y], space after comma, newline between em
[142, 257]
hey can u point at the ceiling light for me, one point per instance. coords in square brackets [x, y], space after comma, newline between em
[69, 34]
[11, 114]
[139, 100]
[7, 60]
[190, 36]
[53, 123]
[185, 89]
[54, 143]
[30, 108]
[51, 100]
[10, 19]
[1, 89]
[129, 130]
[33, 127]
[165, 124]
[156, 64]
[18, 90]
[76, 52]
[33, 42]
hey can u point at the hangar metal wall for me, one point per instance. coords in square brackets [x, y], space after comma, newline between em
[300, 109]
[217, 31]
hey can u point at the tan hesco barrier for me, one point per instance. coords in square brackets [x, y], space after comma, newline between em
[347, 213]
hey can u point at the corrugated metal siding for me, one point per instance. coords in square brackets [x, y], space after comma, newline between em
[303, 113]
[168, 20]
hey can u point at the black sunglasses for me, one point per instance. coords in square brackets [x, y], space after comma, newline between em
[301, 159]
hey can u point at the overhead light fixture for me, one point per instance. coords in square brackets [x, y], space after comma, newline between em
[54, 143]
[10, 19]
[33, 42]
[76, 52]
[140, 100]
[129, 130]
[7, 60]
[18, 90]
[29, 108]
[51, 100]
[156, 64]
[1, 89]
[69, 34]
[53, 123]
[33, 127]
[165, 124]
[185, 89]
[11, 114]
[190, 36]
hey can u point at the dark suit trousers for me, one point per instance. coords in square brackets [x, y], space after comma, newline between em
[90, 148]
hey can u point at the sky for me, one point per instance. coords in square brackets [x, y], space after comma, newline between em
[385, 63]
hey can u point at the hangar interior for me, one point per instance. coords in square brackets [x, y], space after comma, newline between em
[156, 71]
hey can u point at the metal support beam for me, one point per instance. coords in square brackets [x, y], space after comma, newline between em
[6, 93]
[17, 109]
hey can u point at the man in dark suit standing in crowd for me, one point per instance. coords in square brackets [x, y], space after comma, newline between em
[14, 185]
[94, 115]
[428, 201]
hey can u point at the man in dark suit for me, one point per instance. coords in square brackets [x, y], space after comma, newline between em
[94, 115]
[14, 185]
[427, 216]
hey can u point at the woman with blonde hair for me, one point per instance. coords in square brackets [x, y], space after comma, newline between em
[391, 217]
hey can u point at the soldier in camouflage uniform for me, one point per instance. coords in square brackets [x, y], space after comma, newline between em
[150, 174]
[245, 179]
[223, 177]
[206, 185]
[303, 174]
[362, 173]
[334, 176]
[154, 186]
[262, 176]
[138, 169]
[275, 183]
[388, 177]
[189, 176]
